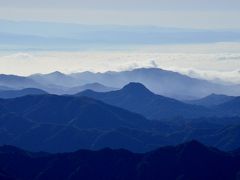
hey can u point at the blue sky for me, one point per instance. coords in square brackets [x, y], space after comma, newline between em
[126, 4]
[208, 14]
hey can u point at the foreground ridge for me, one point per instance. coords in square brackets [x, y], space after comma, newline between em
[191, 160]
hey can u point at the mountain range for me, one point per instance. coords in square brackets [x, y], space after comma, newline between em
[137, 98]
[191, 160]
[211, 100]
[132, 117]
[97, 87]
[16, 82]
[166, 83]
[55, 123]
[19, 93]
[64, 123]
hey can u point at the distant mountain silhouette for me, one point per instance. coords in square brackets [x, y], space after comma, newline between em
[14, 82]
[92, 86]
[17, 82]
[60, 83]
[137, 98]
[190, 160]
[55, 78]
[22, 92]
[5, 88]
[167, 83]
[211, 100]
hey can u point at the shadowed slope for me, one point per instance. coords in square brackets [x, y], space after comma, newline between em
[137, 98]
[191, 160]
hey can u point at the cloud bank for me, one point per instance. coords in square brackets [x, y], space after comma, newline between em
[224, 66]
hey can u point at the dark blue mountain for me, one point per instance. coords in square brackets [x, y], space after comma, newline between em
[4, 176]
[191, 160]
[81, 112]
[211, 100]
[230, 108]
[137, 98]
[22, 92]
[64, 123]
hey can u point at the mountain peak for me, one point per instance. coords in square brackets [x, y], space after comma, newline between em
[193, 146]
[216, 95]
[136, 88]
[57, 73]
[95, 84]
[194, 143]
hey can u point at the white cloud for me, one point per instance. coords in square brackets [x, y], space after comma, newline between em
[229, 57]
[19, 56]
[207, 62]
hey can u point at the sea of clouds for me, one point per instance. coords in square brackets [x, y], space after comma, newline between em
[219, 62]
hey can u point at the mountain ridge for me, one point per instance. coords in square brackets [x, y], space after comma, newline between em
[169, 163]
[211, 100]
[22, 92]
[159, 81]
[137, 98]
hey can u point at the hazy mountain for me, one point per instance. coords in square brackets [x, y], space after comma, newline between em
[22, 92]
[211, 100]
[17, 82]
[167, 83]
[191, 160]
[54, 78]
[14, 82]
[4, 88]
[137, 98]
[92, 86]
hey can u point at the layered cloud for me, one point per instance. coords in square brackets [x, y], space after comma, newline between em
[216, 66]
